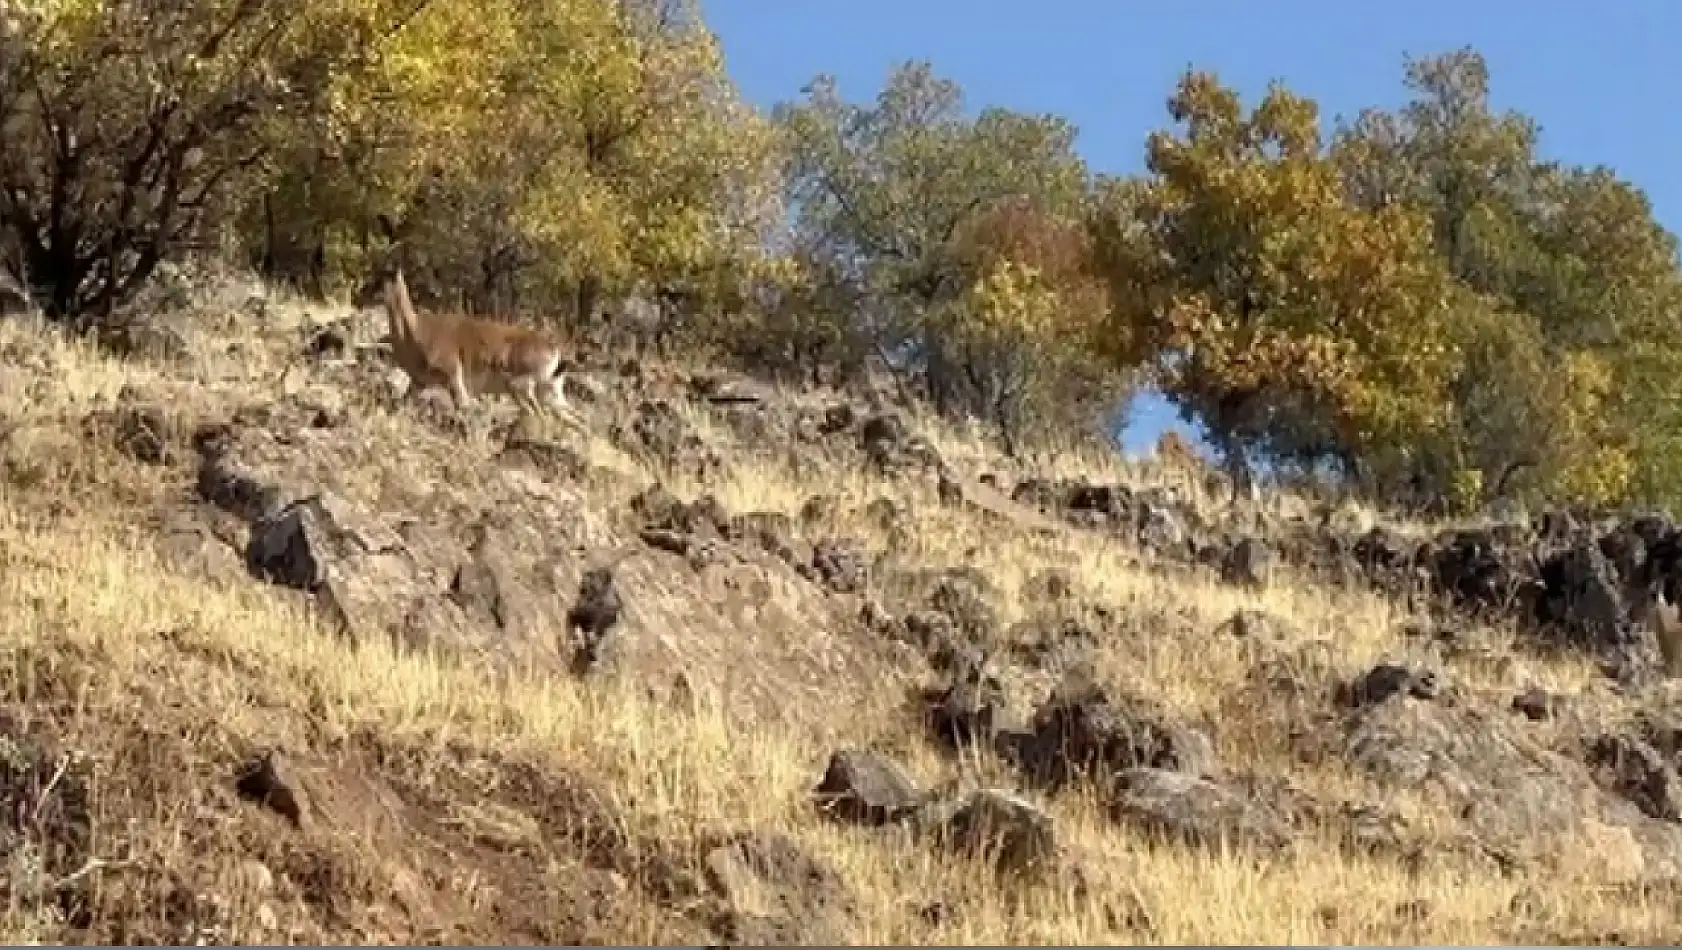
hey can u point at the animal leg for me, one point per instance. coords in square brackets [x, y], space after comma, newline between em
[458, 388]
[554, 393]
[525, 393]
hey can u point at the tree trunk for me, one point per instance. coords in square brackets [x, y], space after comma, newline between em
[586, 295]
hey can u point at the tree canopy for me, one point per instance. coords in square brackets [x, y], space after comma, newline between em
[1417, 299]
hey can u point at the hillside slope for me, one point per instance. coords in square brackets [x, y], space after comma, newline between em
[1085, 706]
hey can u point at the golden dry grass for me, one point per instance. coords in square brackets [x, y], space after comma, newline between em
[98, 632]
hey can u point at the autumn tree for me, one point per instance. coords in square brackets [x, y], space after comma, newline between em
[1286, 317]
[920, 211]
[127, 124]
[1022, 329]
[539, 154]
[1568, 294]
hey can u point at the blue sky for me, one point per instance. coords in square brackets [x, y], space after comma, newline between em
[1600, 77]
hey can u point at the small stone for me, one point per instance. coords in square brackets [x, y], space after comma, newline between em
[264, 781]
[866, 788]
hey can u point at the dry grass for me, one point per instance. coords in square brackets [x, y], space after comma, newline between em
[168, 681]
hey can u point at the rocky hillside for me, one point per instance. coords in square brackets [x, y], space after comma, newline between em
[289, 660]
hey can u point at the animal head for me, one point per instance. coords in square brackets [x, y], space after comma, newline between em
[385, 288]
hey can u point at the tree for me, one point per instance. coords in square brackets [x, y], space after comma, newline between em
[126, 123]
[1023, 327]
[1562, 267]
[1286, 317]
[539, 154]
[904, 201]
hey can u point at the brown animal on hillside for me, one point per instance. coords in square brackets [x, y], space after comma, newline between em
[1651, 608]
[468, 355]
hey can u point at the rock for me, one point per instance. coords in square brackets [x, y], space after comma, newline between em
[593, 615]
[1195, 811]
[656, 506]
[692, 531]
[1635, 770]
[1112, 502]
[866, 788]
[963, 595]
[882, 438]
[840, 417]
[1249, 563]
[1379, 551]
[661, 510]
[1081, 732]
[143, 433]
[773, 891]
[490, 587]
[966, 712]
[1056, 643]
[213, 440]
[1475, 570]
[264, 781]
[1580, 599]
[1040, 493]
[938, 637]
[380, 553]
[1389, 679]
[202, 542]
[1017, 835]
[1536, 704]
[326, 343]
[1160, 529]
[1518, 800]
[235, 491]
[770, 531]
[841, 564]
[296, 547]
[361, 575]
[660, 434]
[664, 539]
[890, 448]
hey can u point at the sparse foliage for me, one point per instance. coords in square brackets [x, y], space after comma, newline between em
[950, 233]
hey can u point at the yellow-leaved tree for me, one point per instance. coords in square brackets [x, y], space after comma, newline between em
[1282, 315]
[1567, 301]
[536, 154]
